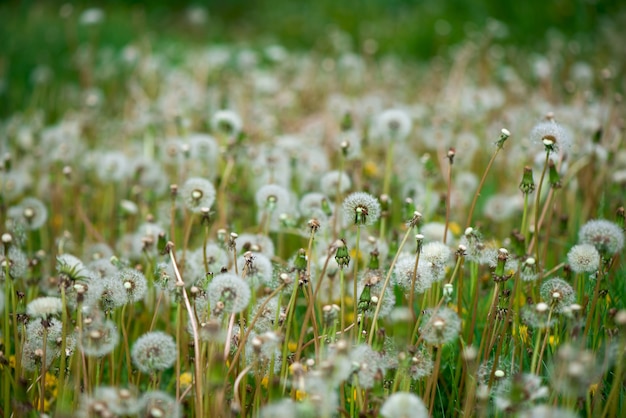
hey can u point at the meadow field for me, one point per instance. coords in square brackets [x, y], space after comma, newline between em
[312, 209]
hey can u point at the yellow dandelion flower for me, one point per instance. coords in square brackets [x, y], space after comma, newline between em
[185, 380]
[300, 395]
[370, 169]
[455, 228]
[554, 340]
[292, 346]
[523, 334]
[265, 381]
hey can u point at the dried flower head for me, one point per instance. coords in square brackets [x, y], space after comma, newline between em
[551, 135]
[44, 307]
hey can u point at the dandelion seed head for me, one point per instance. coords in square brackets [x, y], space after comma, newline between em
[231, 291]
[557, 293]
[404, 405]
[362, 207]
[197, 193]
[44, 307]
[606, 236]
[440, 326]
[154, 351]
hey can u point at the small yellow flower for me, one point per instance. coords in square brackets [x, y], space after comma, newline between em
[292, 346]
[265, 381]
[593, 388]
[455, 228]
[554, 340]
[185, 380]
[523, 334]
[370, 169]
[300, 395]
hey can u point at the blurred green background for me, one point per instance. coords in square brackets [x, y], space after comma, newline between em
[46, 33]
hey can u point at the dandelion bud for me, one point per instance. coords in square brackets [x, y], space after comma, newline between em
[448, 289]
[300, 263]
[503, 256]
[342, 256]
[527, 185]
[373, 263]
[554, 177]
[173, 190]
[451, 154]
[504, 135]
[419, 239]
[415, 220]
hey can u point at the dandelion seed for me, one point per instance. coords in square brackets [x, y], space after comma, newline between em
[227, 122]
[44, 307]
[134, 283]
[31, 212]
[99, 338]
[154, 351]
[404, 405]
[228, 293]
[393, 125]
[557, 293]
[157, 404]
[440, 326]
[197, 193]
[583, 258]
[551, 135]
[606, 236]
[362, 207]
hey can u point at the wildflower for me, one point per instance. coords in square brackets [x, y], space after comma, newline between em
[99, 337]
[119, 401]
[44, 307]
[367, 364]
[403, 274]
[557, 293]
[516, 394]
[420, 365]
[154, 351]
[393, 125]
[134, 282]
[227, 122]
[71, 266]
[107, 293]
[335, 182]
[362, 207]
[258, 269]
[553, 136]
[257, 243]
[527, 186]
[157, 404]
[537, 316]
[404, 405]
[14, 261]
[197, 193]
[529, 270]
[546, 411]
[573, 370]
[229, 293]
[31, 212]
[440, 326]
[273, 198]
[583, 258]
[606, 236]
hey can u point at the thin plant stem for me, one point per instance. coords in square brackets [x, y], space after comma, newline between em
[385, 284]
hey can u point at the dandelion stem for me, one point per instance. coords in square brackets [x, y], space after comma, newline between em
[384, 288]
